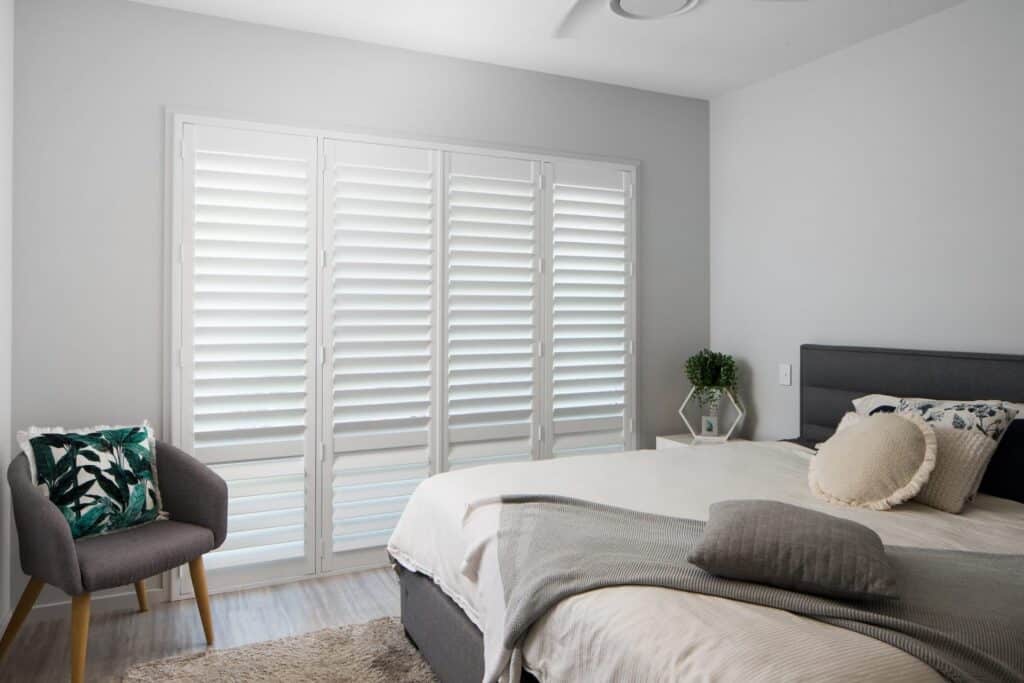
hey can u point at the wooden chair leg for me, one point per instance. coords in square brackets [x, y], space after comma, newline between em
[79, 636]
[198, 573]
[140, 593]
[28, 598]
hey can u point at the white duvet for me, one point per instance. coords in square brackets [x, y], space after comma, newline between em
[634, 633]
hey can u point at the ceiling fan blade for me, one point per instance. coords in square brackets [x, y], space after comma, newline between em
[577, 14]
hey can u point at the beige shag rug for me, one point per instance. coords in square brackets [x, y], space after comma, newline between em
[367, 653]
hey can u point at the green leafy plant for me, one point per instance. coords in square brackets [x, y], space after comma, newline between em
[710, 372]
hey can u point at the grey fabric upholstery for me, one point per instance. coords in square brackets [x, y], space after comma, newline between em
[441, 631]
[191, 491]
[128, 556]
[832, 376]
[792, 547]
[44, 537]
[195, 497]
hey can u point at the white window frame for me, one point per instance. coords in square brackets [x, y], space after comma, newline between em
[176, 301]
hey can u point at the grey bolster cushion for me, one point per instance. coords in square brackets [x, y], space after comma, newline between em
[791, 547]
[44, 537]
[191, 491]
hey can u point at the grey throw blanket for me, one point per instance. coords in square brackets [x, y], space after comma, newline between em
[961, 613]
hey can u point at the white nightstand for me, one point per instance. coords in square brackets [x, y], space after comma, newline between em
[679, 441]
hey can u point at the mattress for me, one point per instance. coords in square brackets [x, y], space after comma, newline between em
[651, 634]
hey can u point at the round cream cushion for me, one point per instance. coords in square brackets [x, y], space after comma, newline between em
[875, 463]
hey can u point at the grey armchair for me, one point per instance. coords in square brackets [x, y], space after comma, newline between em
[196, 499]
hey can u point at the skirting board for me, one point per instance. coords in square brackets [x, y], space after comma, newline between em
[110, 602]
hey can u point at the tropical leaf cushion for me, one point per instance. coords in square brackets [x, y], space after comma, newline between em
[101, 478]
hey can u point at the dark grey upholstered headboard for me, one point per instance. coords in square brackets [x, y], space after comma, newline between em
[832, 376]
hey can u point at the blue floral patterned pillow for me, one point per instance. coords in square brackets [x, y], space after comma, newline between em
[991, 418]
[101, 479]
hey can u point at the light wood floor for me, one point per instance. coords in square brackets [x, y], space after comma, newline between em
[118, 639]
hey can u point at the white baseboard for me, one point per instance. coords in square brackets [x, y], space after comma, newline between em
[110, 602]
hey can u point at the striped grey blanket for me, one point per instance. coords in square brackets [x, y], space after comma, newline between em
[961, 613]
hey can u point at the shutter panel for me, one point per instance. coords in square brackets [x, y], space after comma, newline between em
[491, 309]
[248, 339]
[379, 216]
[591, 320]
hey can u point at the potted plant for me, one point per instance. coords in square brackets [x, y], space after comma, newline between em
[711, 373]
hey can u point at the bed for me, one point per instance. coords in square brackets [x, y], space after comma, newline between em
[646, 633]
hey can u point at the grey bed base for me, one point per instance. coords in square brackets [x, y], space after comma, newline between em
[441, 631]
[830, 377]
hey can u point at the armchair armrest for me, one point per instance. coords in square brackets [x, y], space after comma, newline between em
[192, 492]
[44, 537]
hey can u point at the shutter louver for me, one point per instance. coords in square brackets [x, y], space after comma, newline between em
[379, 219]
[491, 315]
[266, 513]
[590, 320]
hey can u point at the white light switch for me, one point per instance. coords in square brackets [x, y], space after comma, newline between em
[785, 374]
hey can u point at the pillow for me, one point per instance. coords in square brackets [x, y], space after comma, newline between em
[967, 434]
[847, 420]
[877, 462]
[1004, 476]
[101, 478]
[794, 548]
[876, 403]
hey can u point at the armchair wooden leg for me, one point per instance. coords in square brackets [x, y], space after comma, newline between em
[198, 573]
[79, 636]
[28, 598]
[140, 593]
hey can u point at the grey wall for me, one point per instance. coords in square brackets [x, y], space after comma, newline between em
[873, 197]
[6, 138]
[93, 78]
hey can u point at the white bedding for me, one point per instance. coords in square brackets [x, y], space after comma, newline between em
[652, 634]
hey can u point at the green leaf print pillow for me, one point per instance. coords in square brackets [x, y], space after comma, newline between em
[101, 478]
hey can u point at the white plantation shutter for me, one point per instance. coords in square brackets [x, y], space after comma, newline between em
[353, 315]
[591, 327]
[248, 332]
[379, 218]
[491, 312]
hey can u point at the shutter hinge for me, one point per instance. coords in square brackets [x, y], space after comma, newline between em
[629, 268]
[629, 347]
[540, 432]
[321, 355]
[629, 191]
[181, 252]
[540, 265]
[630, 425]
[323, 258]
[540, 181]
[540, 349]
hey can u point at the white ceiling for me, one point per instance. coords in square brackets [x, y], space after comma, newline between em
[721, 45]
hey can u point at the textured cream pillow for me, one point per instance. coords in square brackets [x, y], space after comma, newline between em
[962, 458]
[875, 463]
